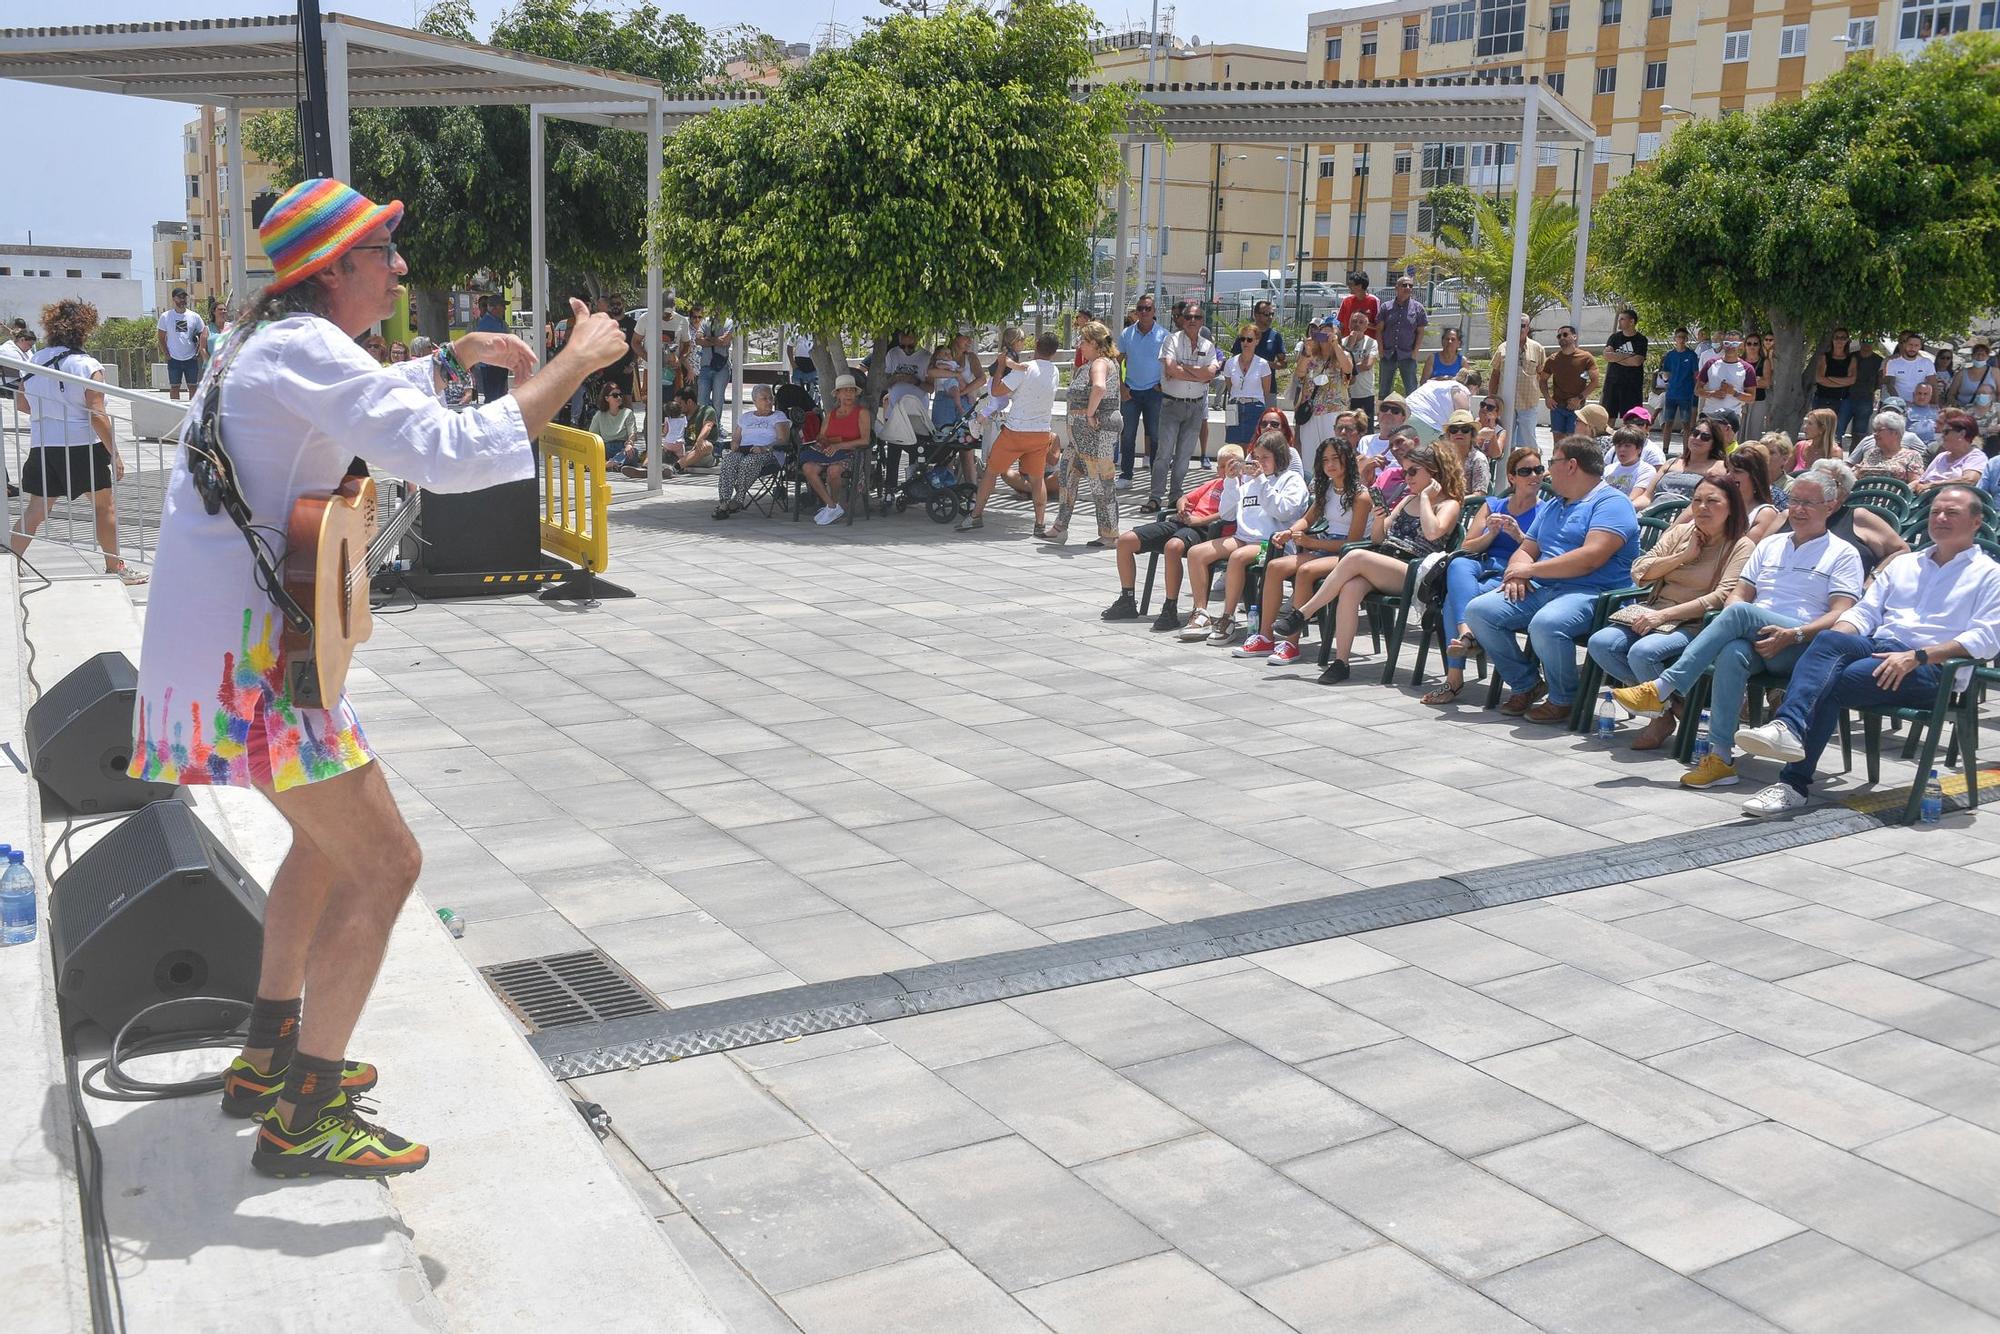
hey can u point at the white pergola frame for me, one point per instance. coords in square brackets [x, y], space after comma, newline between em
[250, 64]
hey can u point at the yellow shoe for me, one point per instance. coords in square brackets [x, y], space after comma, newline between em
[1713, 771]
[1641, 698]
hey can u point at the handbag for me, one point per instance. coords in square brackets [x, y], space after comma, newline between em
[1303, 413]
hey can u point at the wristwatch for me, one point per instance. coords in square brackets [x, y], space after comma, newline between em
[1923, 658]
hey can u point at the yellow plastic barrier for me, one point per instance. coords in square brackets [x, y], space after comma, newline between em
[576, 498]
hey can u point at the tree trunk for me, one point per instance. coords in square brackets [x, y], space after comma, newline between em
[830, 360]
[430, 307]
[1791, 390]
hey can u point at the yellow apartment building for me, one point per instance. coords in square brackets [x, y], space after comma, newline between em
[210, 220]
[1634, 68]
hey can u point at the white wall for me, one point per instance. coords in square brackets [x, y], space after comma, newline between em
[120, 298]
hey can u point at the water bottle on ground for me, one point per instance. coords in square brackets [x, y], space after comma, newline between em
[454, 922]
[17, 901]
[1607, 717]
[1932, 809]
[1701, 742]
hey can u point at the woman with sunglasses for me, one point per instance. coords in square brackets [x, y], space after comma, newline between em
[1419, 524]
[1701, 458]
[1749, 470]
[1489, 419]
[1321, 382]
[1759, 362]
[1487, 548]
[1314, 542]
[1460, 435]
[617, 426]
[1960, 461]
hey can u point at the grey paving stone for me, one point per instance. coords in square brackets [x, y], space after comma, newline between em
[1225, 1210]
[810, 845]
[806, 1047]
[1970, 1273]
[939, 1291]
[834, 944]
[1067, 1105]
[1849, 889]
[1611, 902]
[1601, 1287]
[1653, 1110]
[525, 936]
[941, 846]
[676, 1112]
[1718, 891]
[1119, 1022]
[1255, 1102]
[968, 936]
[1033, 894]
[1384, 1290]
[1745, 948]
[797, 1213]
[1810, 1282]
[894, 894]
[1969, 928]
[1966, 1086]
[591, 896]
[1608, 951]
[686, 950]
[1167, 889]
[1979, 981]
[1799, 1092]
[1286, 1020]
[1321, 962]
[1901, 1003]
[878, 1106]
[1463, 1220]
[1660, 1210]
[978, 1196]
[953, 1037]
[1456, 1020]
[1855, 1202]
[679, 845]
[739, 804]
[1454, 951]
[737, 1298]
[1608, 1014]
[1761, 1009]
[1162, 1294]
[1904, 952]
[1957, 1158]
[484, 805]
[1446, 1101]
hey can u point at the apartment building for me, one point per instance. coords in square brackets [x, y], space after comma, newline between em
[1633, 68]
[1248, 185]
[169, 257]
[211, 224]
[34, 276]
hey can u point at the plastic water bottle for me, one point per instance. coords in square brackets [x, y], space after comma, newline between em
[1701, 742]
[17, 901]
[454, 922]
[1930, 812]
[1607, 717]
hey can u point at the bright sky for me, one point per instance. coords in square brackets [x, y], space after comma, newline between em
[99, 170]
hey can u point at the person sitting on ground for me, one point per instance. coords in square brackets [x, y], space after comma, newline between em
[1312, 545]
[1960, 461]
[1460, 430]
[1890, 452]
[759, 443]
[1030, 393]
[1692, 570]
[1700, 457]
[1749, 470]
[1629, 471]
[704, 424]
[1796, 584]
[1196, 520]
[617, 426]
[1923, 609]
[842, 444]
[1421, 523]
[1262, 499]
[1482, 559]
[1582, 543]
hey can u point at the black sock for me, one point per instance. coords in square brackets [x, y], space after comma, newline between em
[310, 1084]
[1126, 591]
[274, 1024]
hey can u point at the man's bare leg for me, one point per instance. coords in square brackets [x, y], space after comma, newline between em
[291, 915]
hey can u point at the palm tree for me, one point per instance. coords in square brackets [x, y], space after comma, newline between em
[1484, 259]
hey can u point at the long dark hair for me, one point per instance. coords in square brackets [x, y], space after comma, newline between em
[1754, 462]
[1350, 482]
[1738, 522]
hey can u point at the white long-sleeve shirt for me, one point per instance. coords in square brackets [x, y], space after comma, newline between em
[1261, 505]
[1924, 603]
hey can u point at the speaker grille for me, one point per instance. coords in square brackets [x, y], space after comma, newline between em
[557, 990]
[142, 854]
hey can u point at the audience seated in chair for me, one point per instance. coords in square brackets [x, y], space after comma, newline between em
[1262, 499]
[842, 446]
[1482, 558]
[1313, 544]
[1195, 520]
[757, 449]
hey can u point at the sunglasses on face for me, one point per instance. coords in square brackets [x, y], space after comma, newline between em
[1458, 430]
[1703, 435]
[1536, 471]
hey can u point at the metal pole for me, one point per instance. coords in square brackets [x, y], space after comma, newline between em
[315, 136]
[1298, 262]
[339, 167]
[1214, 219]
[239, 225]
[538, 221]
[1285, 223]
[1145, 160]
[1160, 227]
[1121, 288]
[1589, 183]
[1518, 276]
[655, 141]
[739, 352]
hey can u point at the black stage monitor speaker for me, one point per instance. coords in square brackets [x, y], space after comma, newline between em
[157, 910]
[80, 738]
[471, 532]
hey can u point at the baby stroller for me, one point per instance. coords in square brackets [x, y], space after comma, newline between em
[935, 483]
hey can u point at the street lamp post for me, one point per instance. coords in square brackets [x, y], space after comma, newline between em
[1285, 226]
[1215, 218]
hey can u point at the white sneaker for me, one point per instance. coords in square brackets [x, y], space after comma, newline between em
[821, 517]
[1225, 631]
[1774, 741]
[1197, 628]
[836, 514]
[1124, 484]
[1777, 799]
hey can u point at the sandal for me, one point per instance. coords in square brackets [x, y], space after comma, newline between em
[1461, 646]
[1443, 695]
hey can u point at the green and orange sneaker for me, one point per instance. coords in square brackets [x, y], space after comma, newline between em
[248, 1091]
[336, 1143]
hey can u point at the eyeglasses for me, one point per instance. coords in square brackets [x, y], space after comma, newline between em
[1535, 471]
[388, 249]
[1145, 310]
[1489, 406]
[1702, 435]
[1458, 430]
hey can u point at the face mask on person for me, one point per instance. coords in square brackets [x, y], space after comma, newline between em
[1976, 364]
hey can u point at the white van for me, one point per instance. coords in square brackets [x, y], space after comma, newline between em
[1234, 282]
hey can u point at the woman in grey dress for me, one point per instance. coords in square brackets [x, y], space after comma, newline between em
[1091, 459]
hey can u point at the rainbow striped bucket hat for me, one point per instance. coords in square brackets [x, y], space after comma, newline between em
[316, 222]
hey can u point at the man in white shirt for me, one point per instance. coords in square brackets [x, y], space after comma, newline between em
[1029, 433]
[1923, 609]
[183, 340]
[1727, 382]
[1187, 366]
[1910, 367]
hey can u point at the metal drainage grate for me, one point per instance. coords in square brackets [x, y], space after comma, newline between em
[558, 990]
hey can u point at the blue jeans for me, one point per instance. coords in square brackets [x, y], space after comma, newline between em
[1844, 413]
[1399, 369]
[1629, 657]
[711, 386]
[1834, 674]
[808, 381]
[1725, 645]
[1464, 580]
[1144, 404]
[1554, 617]
[1562, 422]
[1522, 434]
[944, 411]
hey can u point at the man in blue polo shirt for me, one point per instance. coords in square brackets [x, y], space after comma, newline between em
[1582, 542]
[1139, 348]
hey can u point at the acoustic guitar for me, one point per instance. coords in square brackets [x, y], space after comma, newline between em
[332, 551]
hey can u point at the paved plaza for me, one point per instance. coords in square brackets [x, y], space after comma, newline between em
[1760, 1096]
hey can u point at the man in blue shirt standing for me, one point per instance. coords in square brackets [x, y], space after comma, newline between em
[1582, 543]
[492, 319]
[1680, 364]
[1403, 323]
[1139, 347]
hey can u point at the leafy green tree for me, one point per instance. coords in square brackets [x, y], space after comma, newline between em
[1873, 202]
[933, 172]
[1452, 205]
[1482, 256]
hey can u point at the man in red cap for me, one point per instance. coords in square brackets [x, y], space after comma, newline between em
[298, 400]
